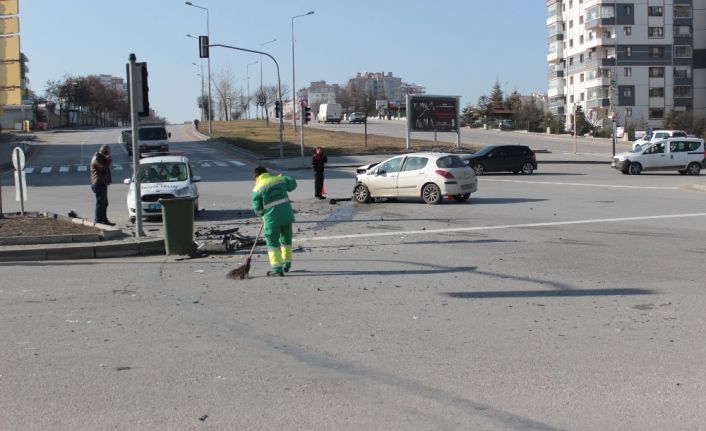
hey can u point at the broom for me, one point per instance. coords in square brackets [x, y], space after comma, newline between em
[242, 271]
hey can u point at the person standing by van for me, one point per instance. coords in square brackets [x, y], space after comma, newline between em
[318, 160]
[100, 180]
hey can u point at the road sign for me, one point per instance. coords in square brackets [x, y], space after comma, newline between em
[18, 158]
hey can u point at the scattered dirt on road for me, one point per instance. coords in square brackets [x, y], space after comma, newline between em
[29, 225]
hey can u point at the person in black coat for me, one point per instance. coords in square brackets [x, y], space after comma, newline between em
[318, 160]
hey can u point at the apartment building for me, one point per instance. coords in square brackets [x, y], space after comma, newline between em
[379, 85]
[635, 61]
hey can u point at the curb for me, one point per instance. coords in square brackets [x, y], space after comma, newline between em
[142, 247]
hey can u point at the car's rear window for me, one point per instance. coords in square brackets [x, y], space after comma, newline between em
[485, 150]
[449, 162]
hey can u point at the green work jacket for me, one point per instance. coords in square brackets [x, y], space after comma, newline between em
[271, 201]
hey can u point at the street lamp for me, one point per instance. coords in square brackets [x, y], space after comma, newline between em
[262, 93]
[208, 33]
[294, 87]
[247, 76]
[201, 75]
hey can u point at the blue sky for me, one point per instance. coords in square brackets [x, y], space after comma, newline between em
[453, 47]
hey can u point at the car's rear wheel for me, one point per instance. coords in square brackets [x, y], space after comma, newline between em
[462, 198]
[635, 168]
[527, 168]
[431, 194]
[693, 168]
[478, 169]
[361, 194]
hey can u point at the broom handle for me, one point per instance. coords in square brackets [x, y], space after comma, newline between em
[252, 250]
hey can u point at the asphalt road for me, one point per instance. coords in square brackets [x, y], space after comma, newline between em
[569, 299]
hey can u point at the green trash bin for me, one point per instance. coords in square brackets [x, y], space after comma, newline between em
[178, 221]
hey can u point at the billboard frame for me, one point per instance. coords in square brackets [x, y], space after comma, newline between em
[433, 100]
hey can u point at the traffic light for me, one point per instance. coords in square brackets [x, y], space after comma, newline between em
[203, 46]
[307, 115]
[278, 109]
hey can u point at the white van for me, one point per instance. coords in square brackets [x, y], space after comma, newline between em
[329, 113]
[684, 155]
[659, 134]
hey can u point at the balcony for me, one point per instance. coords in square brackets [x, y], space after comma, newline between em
[598, 23]
[555, 71]
[684, 101]
[600, 81]
[597, 103]
[557, 91]
[554, 57]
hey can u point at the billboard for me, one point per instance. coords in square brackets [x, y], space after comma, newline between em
[433, 113]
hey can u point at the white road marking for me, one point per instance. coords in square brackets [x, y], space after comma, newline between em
[237, 163]
[507, 226]
[82, 168]
[64, 169]
[552, 183]
[205, 165]
[118, 167]
[46, 170]
[29, 170]
[221, 164]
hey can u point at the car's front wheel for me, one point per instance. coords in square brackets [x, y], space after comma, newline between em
[431, 194]
[462, 198]
[693, 169]
[361, 194]
[478, 169]
[527, 168]
[635, 168]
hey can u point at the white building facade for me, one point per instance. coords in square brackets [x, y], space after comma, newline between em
[635, 61]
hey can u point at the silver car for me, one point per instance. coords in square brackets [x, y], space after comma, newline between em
[429, 176]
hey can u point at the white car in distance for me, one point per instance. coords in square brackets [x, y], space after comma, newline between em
[429, 176]
[162, 177]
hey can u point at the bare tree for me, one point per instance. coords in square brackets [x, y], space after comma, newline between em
[266, 97]
[225, 93]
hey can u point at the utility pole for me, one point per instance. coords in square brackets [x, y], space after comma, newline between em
[135, 125]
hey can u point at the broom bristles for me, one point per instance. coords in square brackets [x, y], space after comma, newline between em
[241, 272]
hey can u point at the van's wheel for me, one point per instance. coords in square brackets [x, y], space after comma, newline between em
[693, 169]
[478, 169]
[527, 168]
[461, 198]
[361, 194]
[431, 194]
[635, 168]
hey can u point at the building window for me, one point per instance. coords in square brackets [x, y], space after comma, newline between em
[682, 72]
[656, 72]
[581, 19]
[682, 11]
[627, 31]
[655, 32]
[581, 40]
[627, 91]
[682, 51]
[571, 23]
[682, 91]
[571, 99]
[571, 43]
[656, 51]
[627, 9]
[571, 80]
[628, 71]
[628, 112]
[628, 51]
[682, 31]
[581, 58]
[571, 61]
[657, 92]
[656, 113]
[581, 77]
[582, 98]
[655, 11]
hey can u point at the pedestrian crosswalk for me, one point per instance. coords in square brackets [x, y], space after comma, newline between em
[64, 169]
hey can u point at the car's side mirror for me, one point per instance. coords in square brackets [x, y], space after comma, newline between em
[195, 179]
[127, 181]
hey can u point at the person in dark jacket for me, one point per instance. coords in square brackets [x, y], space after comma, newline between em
[318, 160]
[100, 180]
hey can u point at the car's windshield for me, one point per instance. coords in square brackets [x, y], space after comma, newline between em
[485, 150]
[640, 148]
[450, 162]
[153, 133]
[163, 172]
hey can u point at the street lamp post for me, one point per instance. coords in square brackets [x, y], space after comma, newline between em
[208, 33]
[201, 101]
[262, 93]
[294, 86]
[247, 76]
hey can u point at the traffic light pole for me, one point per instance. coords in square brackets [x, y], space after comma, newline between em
[279, 90]
[301, 145]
